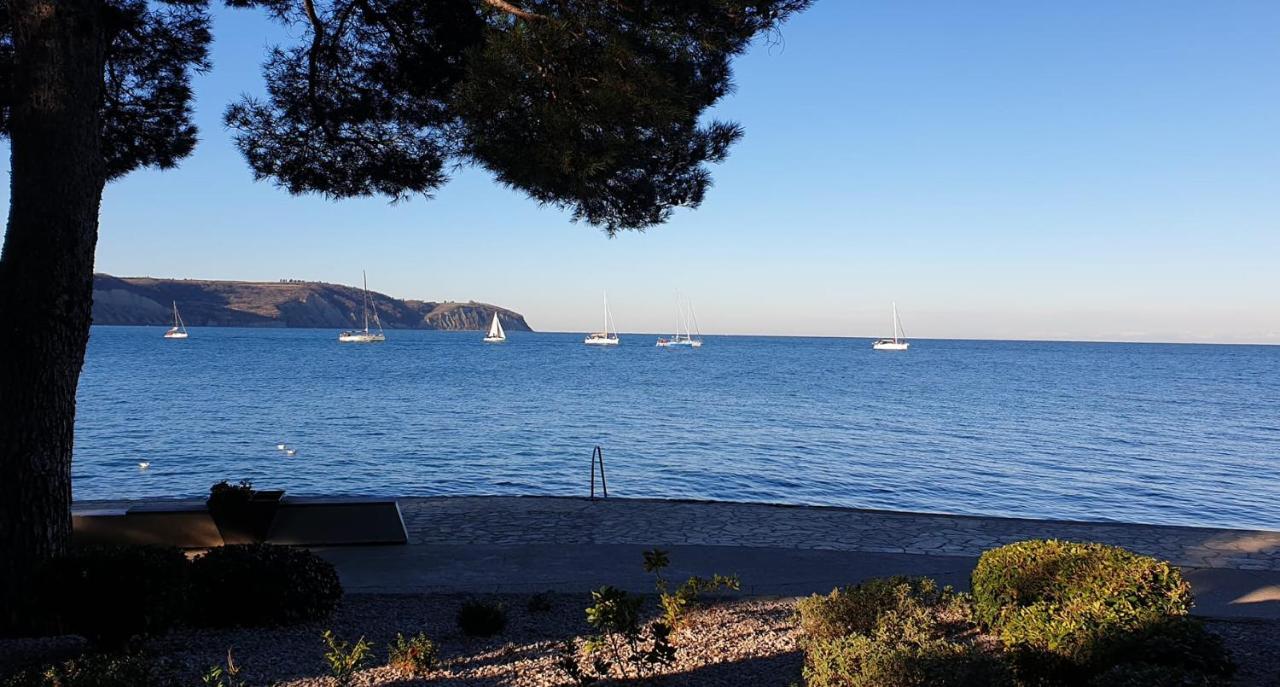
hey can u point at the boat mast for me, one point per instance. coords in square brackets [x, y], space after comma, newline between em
[365, 302]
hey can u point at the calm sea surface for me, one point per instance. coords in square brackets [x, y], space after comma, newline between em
[1134, 432]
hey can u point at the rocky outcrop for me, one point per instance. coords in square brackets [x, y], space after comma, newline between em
[205, 303]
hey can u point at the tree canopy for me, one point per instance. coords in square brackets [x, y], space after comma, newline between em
[595, 106]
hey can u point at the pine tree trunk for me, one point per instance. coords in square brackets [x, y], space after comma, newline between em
[46, 277]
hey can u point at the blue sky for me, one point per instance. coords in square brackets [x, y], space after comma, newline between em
[1105, 171]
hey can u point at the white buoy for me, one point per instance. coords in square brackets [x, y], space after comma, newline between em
[144, 465]
[291, 452]
[281, 447]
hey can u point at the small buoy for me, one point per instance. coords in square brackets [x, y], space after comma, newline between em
[144, 465]
[291, 452]
[280, 447]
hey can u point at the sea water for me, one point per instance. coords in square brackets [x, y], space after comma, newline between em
[1172, 434]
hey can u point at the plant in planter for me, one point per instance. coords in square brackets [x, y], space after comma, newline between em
[243, 514]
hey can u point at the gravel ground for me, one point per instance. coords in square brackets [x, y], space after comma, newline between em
[730, 642]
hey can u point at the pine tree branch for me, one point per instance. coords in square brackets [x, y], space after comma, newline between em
[504, 6]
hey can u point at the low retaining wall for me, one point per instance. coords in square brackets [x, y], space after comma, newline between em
[300, 521]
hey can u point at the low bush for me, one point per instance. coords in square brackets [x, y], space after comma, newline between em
[675, 605]
[109, 594]
[98, 670]
[913, 642]
[856, 609]
[482, 618]
[415, 657]
[262, 584]
[1060, 600]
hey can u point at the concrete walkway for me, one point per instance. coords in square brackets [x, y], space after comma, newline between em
[525, 544]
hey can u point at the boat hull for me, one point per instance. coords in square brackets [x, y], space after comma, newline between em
[890, 346]
[495, 339]
[361, 338]
[600, 341]
[175, 335]
[683, 343]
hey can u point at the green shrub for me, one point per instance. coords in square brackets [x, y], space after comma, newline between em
[98, 670]
[416, 656]
[345, 658]
[676, 604]
[912, 645]
[109, 594]
[1064, 599]
[482, 618]
[262, 584]
[856, 609]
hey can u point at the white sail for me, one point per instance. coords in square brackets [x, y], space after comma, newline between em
[496, 334]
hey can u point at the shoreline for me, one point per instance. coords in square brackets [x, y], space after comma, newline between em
[579, 521]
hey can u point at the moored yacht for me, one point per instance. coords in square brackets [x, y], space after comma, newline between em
[365, 335]
[604, 337]
[686, 325]
[179, 330]
[899, 340]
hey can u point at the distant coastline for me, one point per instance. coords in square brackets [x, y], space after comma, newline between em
[287, 303]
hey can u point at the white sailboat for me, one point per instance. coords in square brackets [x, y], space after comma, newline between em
[603, 337]
[179, 330]
[686, 321]
[899, 340]
[495, 335]
[365, 335]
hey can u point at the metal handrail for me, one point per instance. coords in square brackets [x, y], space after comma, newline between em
[597, 455]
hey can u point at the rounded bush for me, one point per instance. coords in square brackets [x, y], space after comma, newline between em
[262, 584]
[108, 594]
[1065, 601]
[482, 619]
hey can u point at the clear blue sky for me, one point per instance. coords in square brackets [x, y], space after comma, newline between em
[1092, 170]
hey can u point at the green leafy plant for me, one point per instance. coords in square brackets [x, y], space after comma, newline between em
[478, 618]
[109, 594]
[262, 584]
[676, 604]
[416, 656]
[345, 658]
[621, 638]
[224, 676]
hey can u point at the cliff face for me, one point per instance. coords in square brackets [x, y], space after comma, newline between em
[129, 300]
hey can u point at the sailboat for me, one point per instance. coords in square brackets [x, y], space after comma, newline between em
[689, 322]
[899, 340]
[179, 330]
[495, 335]
[365, 335]
[603, 337]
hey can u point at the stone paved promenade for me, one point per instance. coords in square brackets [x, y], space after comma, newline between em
[524, 520]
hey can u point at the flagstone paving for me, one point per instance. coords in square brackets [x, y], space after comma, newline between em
[503, 520]
[536, 520]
